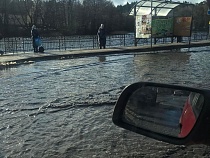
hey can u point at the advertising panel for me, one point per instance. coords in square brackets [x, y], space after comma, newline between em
[208, 4]
[182, 26]
[162, 27]
[143, 26]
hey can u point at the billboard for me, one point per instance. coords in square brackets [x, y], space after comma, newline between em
[178, 26]
[143, 26]
[208, 4]
[182, 26]
[162, 27]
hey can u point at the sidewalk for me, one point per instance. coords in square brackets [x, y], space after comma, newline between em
[7, 60]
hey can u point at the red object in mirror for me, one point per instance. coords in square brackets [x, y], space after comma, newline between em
[187, 120]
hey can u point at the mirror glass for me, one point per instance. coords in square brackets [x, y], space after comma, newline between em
[166, 111]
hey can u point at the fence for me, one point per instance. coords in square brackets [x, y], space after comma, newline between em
[17, 45]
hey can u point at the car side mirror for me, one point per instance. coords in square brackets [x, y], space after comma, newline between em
[170, 113]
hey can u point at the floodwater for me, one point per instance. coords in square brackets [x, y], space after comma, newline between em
[63, 108]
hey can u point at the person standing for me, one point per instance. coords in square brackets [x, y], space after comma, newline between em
[102, 36]
[1, 36]
[35, 35]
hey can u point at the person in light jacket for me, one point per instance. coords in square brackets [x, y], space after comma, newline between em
[34, 35]
[102, 36]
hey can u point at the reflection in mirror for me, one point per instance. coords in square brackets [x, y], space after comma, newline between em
[163, 110]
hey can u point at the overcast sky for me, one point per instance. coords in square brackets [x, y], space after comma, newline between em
[122, 2]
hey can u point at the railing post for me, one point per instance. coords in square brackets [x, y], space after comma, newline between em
[23, 44]
[16, 45]
[5, 50]
[65, 43]
[93, 42]
[109, 41]
[12, 46]
[124, 39]
[79, 42]
[59, 44]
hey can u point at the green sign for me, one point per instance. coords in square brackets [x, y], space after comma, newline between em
[162, 27]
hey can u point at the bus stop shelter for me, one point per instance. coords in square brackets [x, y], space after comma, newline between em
[156, 7]
[147, 10]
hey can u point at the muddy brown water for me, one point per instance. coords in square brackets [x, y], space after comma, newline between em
[63, 108]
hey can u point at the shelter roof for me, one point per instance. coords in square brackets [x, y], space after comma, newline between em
[159, 7]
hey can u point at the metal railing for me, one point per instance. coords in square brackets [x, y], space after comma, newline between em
[17, 45]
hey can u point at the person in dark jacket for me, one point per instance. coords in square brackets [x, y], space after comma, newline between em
[35, 35]
[102, 36]
[1, 36]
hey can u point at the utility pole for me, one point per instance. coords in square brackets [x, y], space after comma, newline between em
[151, 25]
[135, 25]
[5, 19]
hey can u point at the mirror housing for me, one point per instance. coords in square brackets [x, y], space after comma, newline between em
[200, 132]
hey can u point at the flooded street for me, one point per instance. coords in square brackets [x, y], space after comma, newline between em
[63, 108]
